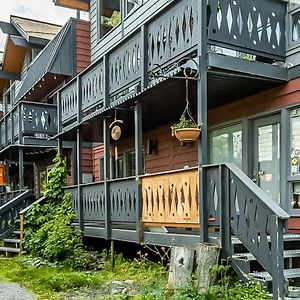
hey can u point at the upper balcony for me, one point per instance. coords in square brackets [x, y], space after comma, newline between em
[28, 124]
[241, 37]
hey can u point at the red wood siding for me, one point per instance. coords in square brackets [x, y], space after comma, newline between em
[83, 45]
[169, 155]
[271, 99]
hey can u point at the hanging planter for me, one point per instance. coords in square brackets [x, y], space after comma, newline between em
[186, 130]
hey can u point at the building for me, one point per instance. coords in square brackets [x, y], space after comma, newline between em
[237, 64]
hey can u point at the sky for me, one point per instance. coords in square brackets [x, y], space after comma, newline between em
[43, 10]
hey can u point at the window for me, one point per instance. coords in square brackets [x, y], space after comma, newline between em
[295, 142]
[109, 15]
[294, 21]
[226, 145]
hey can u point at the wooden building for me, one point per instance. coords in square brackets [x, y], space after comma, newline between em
[236, 64]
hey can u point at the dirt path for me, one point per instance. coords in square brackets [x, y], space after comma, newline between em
[14, 292]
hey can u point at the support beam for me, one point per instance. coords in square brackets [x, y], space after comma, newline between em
[9, 75]
[21, 168]
[106, 143]
[202, 118]
[138, 136]
[79, 176]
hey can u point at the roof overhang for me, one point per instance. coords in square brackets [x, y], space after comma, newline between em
[83, 5]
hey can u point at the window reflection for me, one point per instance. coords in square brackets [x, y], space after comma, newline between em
[109, 15]
[226, 145]
[131, 5]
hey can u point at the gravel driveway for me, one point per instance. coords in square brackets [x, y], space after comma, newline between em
[13, 292]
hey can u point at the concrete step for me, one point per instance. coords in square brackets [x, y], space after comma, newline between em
[9, 250]
[17, 232]
[250, 257]
[288, 273]
[12, 241]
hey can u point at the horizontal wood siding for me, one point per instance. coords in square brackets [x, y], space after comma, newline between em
[83, 45]
[97, 154]
[269, 100]
[169, 155]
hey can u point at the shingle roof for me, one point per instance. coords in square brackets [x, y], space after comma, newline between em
[36, 29]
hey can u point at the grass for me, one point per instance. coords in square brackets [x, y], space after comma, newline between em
[54, 283]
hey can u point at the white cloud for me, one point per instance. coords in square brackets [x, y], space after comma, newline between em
[43, 10]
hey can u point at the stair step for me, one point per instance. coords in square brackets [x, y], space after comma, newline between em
[250, 257]
[12, 241]
[286, 237]
[9, 250]
[288, 273]
[17, 232]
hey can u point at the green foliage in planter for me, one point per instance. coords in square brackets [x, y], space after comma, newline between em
[48, 226]
[184, 123]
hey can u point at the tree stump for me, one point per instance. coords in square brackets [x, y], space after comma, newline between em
[207, 256]
[181, 267]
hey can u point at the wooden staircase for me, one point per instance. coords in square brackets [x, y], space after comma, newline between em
[11, 231]
[12, 246]
[251, 229]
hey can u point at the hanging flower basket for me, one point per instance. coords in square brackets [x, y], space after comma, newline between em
[186, 130]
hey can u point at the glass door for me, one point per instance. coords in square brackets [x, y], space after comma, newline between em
[266, 160]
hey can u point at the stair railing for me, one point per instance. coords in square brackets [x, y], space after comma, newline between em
[9, 212]
[235, 204]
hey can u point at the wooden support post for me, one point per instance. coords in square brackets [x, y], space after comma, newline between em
[207, 256]
[138, 125]
[21, 168]
[112, 253]
[202, 118]
[106, 142]
[181, 267]
[21, 232]
[79, 177]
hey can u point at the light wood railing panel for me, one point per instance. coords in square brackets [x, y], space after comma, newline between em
[171, 199]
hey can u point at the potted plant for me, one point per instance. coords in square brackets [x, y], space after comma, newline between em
[186, 130]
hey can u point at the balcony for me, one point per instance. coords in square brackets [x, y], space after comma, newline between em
[169, 200]
[131, 65]
[28, 122]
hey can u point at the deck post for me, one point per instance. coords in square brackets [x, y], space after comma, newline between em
[106, 142]
[202, 117]
[79, 177]
[138, 125]
[21, 168]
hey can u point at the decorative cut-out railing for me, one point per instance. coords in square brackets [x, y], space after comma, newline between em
[170, 37]
[171, 199]
[122, 200]
[252, 26]
[9, 212]
[30, 119]
[256, 27]
[235, 204]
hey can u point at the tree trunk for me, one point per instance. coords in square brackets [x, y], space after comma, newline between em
[206, 257]
[181, 267]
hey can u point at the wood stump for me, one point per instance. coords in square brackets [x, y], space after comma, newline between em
[181, 267]
[207, 256]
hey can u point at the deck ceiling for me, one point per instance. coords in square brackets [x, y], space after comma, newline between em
[164, 103]
[75, 4]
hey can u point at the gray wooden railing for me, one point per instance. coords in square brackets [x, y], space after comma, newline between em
[29, 119]
[9, 212]
[256, 27]
[233, 202]
[252, 26]
[122, 198]
[7, 196]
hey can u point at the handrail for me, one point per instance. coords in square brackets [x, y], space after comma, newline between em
[25, 210]
[232, 201]
[10, 211]
[268, 202]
